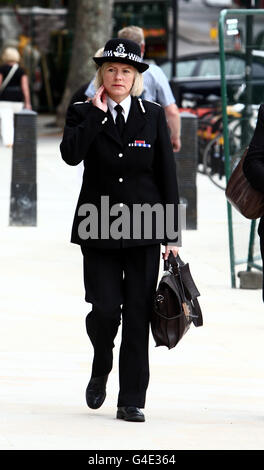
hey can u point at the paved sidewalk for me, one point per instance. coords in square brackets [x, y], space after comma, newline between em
[207, 393]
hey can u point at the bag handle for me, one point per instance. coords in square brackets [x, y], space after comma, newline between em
[172, 260]
[176, 262]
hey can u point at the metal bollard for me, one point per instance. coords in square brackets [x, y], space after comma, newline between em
[186, 163]
[23, 199]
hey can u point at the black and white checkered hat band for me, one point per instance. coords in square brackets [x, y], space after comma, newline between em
[124, 51]
[129, 56]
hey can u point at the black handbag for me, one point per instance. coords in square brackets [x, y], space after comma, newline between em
[175, 305]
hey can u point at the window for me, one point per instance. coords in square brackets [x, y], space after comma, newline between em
[235, 66]
[209, 68]
[258, 70]
[186, 68]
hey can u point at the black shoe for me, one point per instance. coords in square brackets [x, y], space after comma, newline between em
[130, 413]
[95, 392]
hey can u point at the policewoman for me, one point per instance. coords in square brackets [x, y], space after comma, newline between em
[128, 159]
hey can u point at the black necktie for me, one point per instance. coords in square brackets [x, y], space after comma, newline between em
[120, 120]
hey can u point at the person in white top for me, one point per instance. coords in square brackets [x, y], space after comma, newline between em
[14, 92]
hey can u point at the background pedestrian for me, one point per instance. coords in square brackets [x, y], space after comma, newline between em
[254, 170]
[14, 92]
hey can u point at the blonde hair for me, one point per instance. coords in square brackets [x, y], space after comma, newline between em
[137, 88]
[10, 54]
[99, 52]
[134, 33]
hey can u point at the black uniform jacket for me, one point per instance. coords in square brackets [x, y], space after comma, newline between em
[254, 162]
[121, 170]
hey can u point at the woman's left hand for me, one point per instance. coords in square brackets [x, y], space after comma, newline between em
[100, 99]
[174, 249]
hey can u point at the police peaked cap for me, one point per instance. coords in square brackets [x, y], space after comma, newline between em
[123, 51]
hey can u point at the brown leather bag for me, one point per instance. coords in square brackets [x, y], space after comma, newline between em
[239, 192]
[175, 305]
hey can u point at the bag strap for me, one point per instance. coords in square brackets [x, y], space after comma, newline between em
[198, 320]
[10, 74]
[176, 263]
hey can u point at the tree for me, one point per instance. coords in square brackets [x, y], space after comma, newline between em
[93, 27]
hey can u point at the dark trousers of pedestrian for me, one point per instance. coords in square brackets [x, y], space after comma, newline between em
[120, 284]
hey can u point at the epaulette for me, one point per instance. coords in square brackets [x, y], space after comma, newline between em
[154, 102]
[141, 105]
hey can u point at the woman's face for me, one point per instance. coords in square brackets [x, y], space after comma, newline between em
[118, 80]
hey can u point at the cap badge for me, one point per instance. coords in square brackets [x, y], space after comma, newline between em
[120, 51]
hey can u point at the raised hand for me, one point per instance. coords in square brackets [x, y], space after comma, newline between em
[100, 99]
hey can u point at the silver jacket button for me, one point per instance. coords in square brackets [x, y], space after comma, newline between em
[120, 180]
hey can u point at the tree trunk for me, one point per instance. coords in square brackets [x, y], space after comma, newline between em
[93, 27]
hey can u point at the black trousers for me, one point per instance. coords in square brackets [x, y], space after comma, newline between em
[120, 284]
[262, 256]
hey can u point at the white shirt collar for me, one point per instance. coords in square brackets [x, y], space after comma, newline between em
[126, 103]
